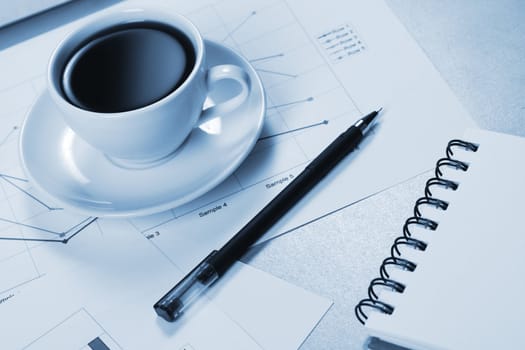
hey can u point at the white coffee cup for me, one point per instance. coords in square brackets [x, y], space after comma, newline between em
[149, 133]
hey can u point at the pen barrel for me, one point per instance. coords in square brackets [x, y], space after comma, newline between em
[334, 153]
[173, 304]
[286, 199]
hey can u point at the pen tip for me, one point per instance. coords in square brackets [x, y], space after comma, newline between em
[379, 110]
[365, 123]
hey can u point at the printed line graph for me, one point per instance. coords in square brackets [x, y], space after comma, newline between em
[294, 111]
[237, 28]
[26, 222]
[306, 103]
[306, 106]
[30, 216]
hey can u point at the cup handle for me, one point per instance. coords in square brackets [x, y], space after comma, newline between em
[221, 72]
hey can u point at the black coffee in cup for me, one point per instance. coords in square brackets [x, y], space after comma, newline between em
[127, 67]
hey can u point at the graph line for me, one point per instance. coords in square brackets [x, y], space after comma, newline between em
[60, 234]
[13, 177]
[63, 240]
[80, 230]
[324, 122]
[276, 73]
[8, 135]
[21, 284]
[266, 58]
[9, 181]
[309, 99]
[243, 22]
[57, 233]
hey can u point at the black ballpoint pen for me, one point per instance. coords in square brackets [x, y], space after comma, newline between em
[172, 305]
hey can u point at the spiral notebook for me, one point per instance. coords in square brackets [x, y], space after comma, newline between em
[455, 276]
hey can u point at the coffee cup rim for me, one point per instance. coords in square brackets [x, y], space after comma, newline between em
[122, 16]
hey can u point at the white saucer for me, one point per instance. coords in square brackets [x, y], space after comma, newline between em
[80, 177]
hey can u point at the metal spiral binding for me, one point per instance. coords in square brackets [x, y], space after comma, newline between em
[395, 259]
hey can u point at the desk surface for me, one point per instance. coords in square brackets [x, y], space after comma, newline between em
[478, 47]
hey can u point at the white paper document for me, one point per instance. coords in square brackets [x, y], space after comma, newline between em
[102, 285]
[323, 65]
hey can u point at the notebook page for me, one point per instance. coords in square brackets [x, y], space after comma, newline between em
[467, 289]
